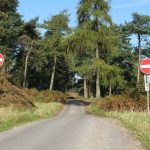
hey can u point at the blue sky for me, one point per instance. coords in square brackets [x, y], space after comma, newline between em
[121, 9]
[120, 12]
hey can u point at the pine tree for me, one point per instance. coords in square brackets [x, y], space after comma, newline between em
[57, 29]
[140, 26]
[124, 57]
[93, 15]
[81, 45]
[10, 28]
[26, 44]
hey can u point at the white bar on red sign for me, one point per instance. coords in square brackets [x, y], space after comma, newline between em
[1, 59]
[145, 66]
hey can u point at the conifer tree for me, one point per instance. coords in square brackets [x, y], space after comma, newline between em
[57, 29]
[93, 15]
[139, 26]
[10, 28]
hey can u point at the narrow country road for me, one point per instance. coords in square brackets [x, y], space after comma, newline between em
[73, 129]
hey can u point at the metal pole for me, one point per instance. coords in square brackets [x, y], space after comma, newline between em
[148, 101]
[147, 82]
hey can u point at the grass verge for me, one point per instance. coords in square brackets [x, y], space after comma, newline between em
[10, 118]
[139, 123]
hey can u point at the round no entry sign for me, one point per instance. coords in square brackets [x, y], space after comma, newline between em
[145, 66]
[1, 59]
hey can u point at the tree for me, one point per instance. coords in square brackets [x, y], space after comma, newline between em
[114, 78]
[81, 44]
[146, 49]
[37, 70]
[124, 57]
[10, 28]
[140, 26]
[57, 29]
[26, 42]
[93, 15]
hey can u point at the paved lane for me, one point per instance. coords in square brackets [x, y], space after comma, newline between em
[72, 130]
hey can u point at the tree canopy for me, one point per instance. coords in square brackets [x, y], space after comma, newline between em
[96, 58]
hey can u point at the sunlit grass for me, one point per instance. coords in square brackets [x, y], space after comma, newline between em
[10, 118]
[138, 122]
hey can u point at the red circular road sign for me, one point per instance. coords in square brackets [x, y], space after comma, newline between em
[145, 66]
[1, 59]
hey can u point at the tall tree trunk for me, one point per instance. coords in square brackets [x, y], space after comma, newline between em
[98, 93]
[53, 74]
[110, 87]
[26, 65]
[89, 90]
[85, 88]
[139, 59]
[67, 50]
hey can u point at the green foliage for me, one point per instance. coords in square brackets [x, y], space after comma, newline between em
[114, 64]
[27, 45]
[96, 111]
[123, 58]
[114, 75]
[56, 29]
[97, 10]
[10, 28]
[139, 25]
[8, 6]
[93, 16]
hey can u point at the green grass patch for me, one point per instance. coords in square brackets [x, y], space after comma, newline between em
[95, 111]
[10, 118]
[138, 122]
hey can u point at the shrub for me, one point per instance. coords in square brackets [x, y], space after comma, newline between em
[20, 98]
[12, 95]
[121, 103]
[46, 96]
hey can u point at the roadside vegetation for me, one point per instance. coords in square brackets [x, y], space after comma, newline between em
[22, 105]
[10, 117]
[128, 111]
[138, 122]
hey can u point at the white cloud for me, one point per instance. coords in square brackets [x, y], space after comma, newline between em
[132, 4]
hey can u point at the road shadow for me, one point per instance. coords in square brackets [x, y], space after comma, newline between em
[77, 102]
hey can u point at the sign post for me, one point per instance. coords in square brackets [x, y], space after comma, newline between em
[148, 101]
[145, 68]
[147, 81]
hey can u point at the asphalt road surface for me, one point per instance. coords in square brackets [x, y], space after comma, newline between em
[73, 129]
